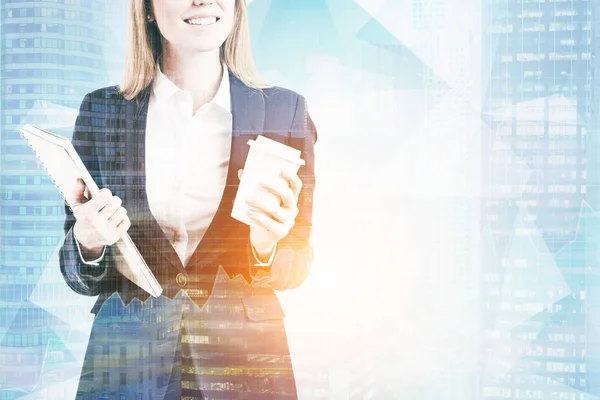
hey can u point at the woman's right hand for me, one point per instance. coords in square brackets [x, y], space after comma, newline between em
[100, 221]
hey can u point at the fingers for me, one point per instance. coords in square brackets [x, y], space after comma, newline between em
[93, 206]
[100, 200]
[101, 221]
[117, 217]
[123, 227]
[281, 189]
[282, 204]
[112, 234]
[294, 182]
[278, 225]
[277, 214]
[111, 207]
[287, 187]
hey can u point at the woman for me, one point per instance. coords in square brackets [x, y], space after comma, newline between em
[170, 144]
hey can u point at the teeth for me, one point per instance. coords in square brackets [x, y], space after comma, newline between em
[202, 21]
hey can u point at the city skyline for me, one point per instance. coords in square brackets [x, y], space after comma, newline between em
[534, 270]
[51, 54]
[537, 198]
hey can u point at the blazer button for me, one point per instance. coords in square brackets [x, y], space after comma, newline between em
[181, 279]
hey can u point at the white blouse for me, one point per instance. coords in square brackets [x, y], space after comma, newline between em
[187, 158]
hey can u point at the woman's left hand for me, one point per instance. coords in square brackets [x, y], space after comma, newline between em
[274, 215]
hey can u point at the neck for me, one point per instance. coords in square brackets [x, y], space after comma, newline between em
[200, 73]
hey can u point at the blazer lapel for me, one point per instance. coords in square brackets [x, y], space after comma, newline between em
[145, 230]
[224, 234]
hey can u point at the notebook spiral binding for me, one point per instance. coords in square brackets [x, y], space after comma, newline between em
[40, 163]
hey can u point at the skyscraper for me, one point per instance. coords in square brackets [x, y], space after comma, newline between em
[51, 54]
[536, 104]
[593, 200]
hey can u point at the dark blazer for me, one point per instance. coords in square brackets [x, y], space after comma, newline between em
[109, 135]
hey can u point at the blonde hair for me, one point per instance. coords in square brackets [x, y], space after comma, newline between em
[144, 49]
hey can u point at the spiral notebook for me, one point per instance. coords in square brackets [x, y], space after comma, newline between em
[64, 166]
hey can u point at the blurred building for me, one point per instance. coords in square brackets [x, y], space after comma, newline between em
[537, 97]
[51, 54]
[593, 199]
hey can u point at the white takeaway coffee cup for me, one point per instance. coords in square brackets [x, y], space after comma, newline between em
[266, 158]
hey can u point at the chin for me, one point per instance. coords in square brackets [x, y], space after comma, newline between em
[204, 45]
[193, 48]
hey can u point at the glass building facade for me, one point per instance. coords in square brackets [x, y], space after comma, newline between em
[537, 62]
[51, 55]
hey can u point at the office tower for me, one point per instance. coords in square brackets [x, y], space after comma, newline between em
[593, 200]
[536, 70]
[51, 54]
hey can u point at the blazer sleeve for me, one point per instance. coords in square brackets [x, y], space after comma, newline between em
[294, 253]
[82, 278]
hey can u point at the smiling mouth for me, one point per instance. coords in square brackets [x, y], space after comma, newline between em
[202, 21]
